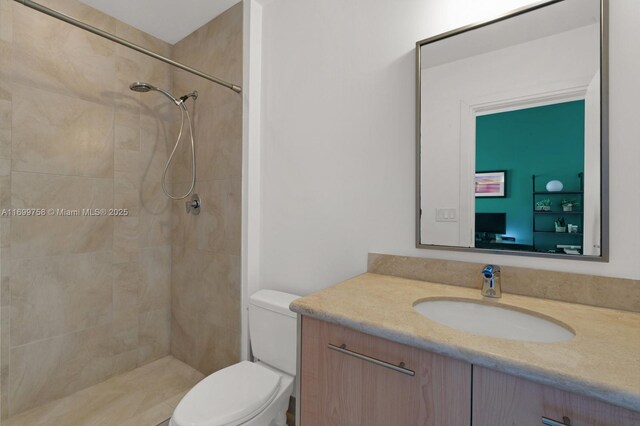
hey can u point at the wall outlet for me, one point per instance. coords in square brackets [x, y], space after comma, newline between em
[446, 215]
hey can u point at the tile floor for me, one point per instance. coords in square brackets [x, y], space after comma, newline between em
[145, 396]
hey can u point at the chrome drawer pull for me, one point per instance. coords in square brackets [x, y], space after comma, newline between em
[399, 368]
[550, 422]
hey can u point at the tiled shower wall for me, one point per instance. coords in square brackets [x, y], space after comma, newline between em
[83, 298]
[205, 298]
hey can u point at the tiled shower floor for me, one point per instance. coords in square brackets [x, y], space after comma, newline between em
[145, 396]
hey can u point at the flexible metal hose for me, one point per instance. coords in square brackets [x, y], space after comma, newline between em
[183, 111]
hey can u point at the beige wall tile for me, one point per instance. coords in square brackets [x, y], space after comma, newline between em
[52, 368]
[126, 232]
[55, 235]
[143, 39]
[5, 183]
[61, 135]
[127, 161]
[5, 276]
[132, 66]
[5, 70]
[79, 138]
[204, 346]
[205, 231]
[220, 349]
[127, 130]
[218, 111]
[205, 305]
[125, 332]
[193, 279]
[180, 170]
[223, 38]
[5, 126]
[155, 290]
[52, 296]
[154, 330]
[6, 21]
[5, 326]
[5, 86]
[219, 139]
[233, 217]
[185, 336]
[125, 361]
[126, 192]
[155, 226]
[127, 282]
[4, 398]
[218, 226]
[5, 232]
[223, 303]
[40, 43]
[218, 134]
[156, 142]
[155, 207]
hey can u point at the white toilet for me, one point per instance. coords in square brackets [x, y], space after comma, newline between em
[250, 393]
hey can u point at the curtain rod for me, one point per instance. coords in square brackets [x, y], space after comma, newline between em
[126, 43]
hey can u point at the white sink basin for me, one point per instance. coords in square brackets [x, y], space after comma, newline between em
[493, 321]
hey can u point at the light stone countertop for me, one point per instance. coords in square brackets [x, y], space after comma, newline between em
[602, 361]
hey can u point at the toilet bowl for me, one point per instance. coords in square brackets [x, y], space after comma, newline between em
[250, 393]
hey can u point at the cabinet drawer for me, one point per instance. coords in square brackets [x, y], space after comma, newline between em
[351, 378]
[501, 399]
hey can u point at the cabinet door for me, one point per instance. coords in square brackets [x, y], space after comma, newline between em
[503, 400]
[341, 388]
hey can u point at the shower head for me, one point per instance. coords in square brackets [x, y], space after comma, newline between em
[141, 87]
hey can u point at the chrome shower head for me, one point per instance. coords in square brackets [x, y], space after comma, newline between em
[141, 87]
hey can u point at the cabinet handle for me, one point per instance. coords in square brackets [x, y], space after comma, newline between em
[550, 422]
[399, 368]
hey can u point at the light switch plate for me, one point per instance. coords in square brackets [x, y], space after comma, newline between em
[446, 215]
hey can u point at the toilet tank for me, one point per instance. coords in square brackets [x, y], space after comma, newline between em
[272, 329]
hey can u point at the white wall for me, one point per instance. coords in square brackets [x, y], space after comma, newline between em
[337, 137]
[251, 158]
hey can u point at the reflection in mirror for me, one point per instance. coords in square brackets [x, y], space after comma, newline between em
[509, 134]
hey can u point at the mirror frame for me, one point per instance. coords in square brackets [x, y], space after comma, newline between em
[604, 136]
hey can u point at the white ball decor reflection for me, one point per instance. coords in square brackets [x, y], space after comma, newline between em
[554, 186]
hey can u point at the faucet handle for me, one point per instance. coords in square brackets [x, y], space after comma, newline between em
[490, 270]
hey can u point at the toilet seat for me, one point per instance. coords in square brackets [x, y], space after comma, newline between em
[228, 397]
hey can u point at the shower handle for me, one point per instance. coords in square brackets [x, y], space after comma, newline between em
[193, 205]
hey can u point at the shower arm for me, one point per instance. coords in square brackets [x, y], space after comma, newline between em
[69, 20]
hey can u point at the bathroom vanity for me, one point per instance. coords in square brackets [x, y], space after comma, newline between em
[368, 357]
[357, 384]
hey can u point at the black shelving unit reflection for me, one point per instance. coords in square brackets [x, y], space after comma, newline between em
[565, 238]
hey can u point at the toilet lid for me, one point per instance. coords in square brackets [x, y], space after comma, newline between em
[228, 397]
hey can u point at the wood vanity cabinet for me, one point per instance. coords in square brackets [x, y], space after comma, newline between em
[348, 378]
[503, 400]
[340, 388]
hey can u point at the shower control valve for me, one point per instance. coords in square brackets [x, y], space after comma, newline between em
[193, 205]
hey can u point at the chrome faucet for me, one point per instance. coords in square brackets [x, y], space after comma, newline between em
[491, 281]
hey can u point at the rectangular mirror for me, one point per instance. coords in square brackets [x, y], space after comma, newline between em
[512, 127]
